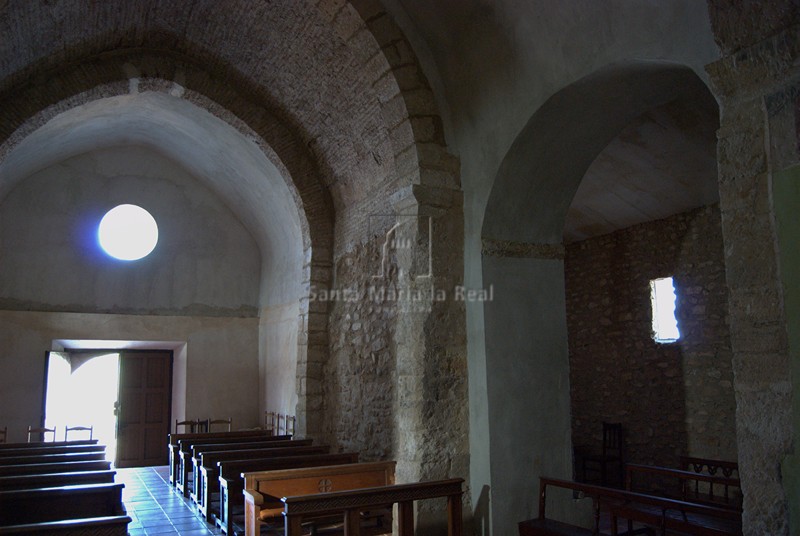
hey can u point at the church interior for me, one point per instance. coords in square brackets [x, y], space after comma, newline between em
[428, 231]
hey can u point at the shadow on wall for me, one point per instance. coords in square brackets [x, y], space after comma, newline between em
[480, 516]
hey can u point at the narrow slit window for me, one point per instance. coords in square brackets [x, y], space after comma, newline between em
[662, 297]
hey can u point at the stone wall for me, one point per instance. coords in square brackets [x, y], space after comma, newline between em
[362, 358]
[672, 399]
[757, 82]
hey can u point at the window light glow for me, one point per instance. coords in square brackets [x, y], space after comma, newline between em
[662, 297]
[128, 232]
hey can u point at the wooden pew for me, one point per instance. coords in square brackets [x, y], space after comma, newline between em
[263, 489]
[62, 467]
[175, 445]
[197, 450]
[53, 458]
[187, 449]
[231, 482]
[33, 509]
[710, 466]
[37, 444]
[54, 480]
[716, 490]
[102, 525]
[350, 505]
[207, 479]
[172, 444]
[40, 448]
[657, 512]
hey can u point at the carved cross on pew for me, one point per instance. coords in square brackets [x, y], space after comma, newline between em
[325, 485]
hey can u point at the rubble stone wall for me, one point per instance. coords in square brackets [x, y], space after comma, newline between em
[673, 399]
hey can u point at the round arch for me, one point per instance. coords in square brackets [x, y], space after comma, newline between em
[522, 259]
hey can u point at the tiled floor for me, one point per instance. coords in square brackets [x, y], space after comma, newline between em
[156, 508]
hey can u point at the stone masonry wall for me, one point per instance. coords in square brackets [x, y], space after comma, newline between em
[362, 358]
[673, 399]
[756, 83]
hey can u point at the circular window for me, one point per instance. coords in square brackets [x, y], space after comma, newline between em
[128, 232]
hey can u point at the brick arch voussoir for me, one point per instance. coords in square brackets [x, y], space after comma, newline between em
[407, 102]
[33, 102]
[43, 95]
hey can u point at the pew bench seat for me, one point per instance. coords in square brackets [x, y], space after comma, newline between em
[551, 527]
[97, 526]
[648, 512]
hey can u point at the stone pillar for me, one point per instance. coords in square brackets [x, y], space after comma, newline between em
[757, 83]
[432, 412]
[312, 352]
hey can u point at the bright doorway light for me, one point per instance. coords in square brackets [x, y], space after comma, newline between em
[662, 298]
[128, 232]
[83, 392]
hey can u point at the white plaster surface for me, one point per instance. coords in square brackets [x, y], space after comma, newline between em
[221, 354]
[205, 261]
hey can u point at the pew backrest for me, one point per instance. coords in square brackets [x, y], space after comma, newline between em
[231, 483]
[350, 505]
[264, 489]
[53, 458]
[51, 480]
[710, 466]
[37, 444]
[197, 449]
[638, 507]
[60, 467]
[209, 459]
[272, 485]
[173, 446]
[60, 503]
[58, 449]
[174, 438]
[703, 488]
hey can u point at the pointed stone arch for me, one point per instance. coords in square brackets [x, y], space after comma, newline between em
[121, 72]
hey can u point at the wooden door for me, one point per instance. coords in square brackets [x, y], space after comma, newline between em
[145, 398]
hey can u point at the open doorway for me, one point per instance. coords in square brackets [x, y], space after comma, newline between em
[125, 396]
[82, 390]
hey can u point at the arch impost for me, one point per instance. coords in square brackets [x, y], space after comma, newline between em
[745, 74]
[416, 196]
[491, 247]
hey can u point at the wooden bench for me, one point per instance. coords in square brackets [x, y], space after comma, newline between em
[183, 446]
[62, 467]
[102, 525]
[350, 505]
[53, 480]
[172, 444]
[231, 481]
[718, 490]
[42, 449]
[655, 512]
[41, 505]
[207, 478]
[197, 450]
[264, 489]
[37, 444]
[53, 458]
[188, 449]
[710, 466]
